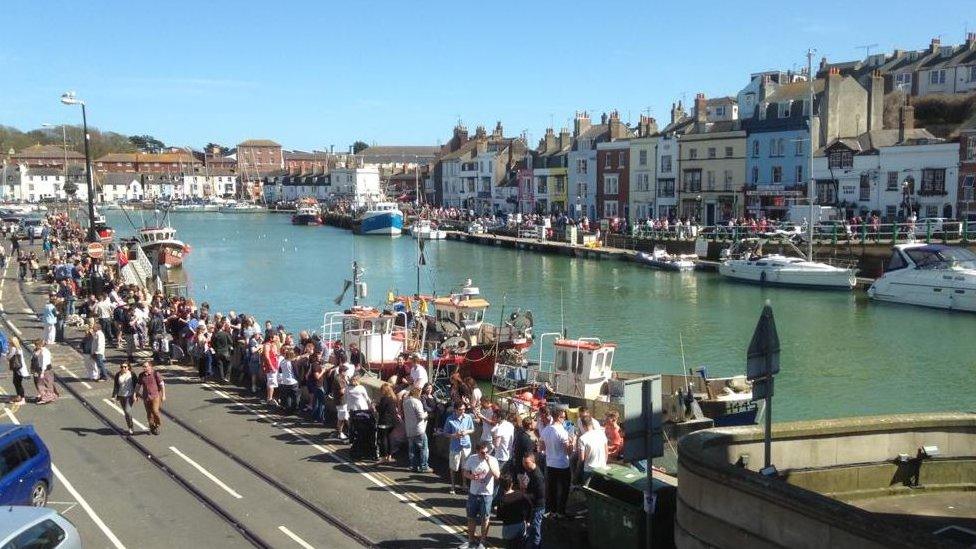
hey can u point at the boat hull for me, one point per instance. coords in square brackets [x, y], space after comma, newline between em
[381, 223]
[664, 265]
[479, 361]
[304, 219]
[824, 280]
[932, 296]
[166, 254]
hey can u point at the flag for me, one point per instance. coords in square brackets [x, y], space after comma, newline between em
[345, 288]
[421, 260]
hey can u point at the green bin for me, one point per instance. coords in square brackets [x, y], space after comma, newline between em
[615, 505]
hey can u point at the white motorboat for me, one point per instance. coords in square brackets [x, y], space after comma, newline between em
[242, 208]
[476, 228]
[928, 275]
[426, 230]
[747, 261]
[661, 259]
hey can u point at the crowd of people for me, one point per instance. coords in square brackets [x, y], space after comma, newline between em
[518, 465]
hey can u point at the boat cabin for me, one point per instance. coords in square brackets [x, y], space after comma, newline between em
[465, 309]
[384, 207]
[376, 334]
[582, 367]
[929, 256]
[157, 234]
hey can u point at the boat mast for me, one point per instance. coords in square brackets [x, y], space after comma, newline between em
[356, 272]
[810, 182]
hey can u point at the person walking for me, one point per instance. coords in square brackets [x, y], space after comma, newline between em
[43, 372]
[99, 373]
[481, 470]
[124, 392]
[458, 427]
[18, 369]
[415, 423]
[152, 390]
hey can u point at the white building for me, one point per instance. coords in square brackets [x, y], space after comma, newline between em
[643, 170]
[871, 173]
[667, 170]
[24, 184]
[360, 186]
[582, 161]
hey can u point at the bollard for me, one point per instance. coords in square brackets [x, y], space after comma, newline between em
[864, 233]
[928, 231]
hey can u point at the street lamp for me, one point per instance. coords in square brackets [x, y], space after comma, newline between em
[68, 98]
[698, 200]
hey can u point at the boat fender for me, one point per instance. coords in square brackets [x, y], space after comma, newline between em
[762, 277]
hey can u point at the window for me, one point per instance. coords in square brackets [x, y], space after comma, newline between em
[642, 158]
[777, 174]
[580, 165]
[784, 110]
[606, 160]
[610, 208]
[728, 177]
[799, 147]
[611, 184]
[620, 160]
[755, 174]
[666, 161]
[728, 152]
[693, 180]
[711, 179]
[799, 174]
[865, 187]
[10, 458]
[937, 76]
[665, 187]
[967, 188]
[890, 212]
[933, 183]
[711, 152]
[931, 211]
[755, 148]
[971, 147]
[43, 534]
[840, 160]
[692, 154]
[643, 182]
[720, 111]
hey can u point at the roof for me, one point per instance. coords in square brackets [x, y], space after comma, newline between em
[587, 345]
[55, 152]
[119, 178]
[474, 303]
[721, 101]
[794, 91]
[467, 147]
[13, 518]
[45, 171]
[875, 139]
[720, 126]
[258, 143]
[304, 155]
[401, 152]
[169, 158]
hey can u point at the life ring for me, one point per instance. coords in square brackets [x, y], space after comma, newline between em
[762, 277]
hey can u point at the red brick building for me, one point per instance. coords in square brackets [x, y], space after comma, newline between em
[46, 156]
[308, 162]
[168, 162]
[613, 179]
[258, 156]
[966, 207]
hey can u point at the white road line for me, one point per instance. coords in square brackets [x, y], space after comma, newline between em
[85, 383]
[456, 531]
[25, 310]
[122, 413]
[81, 501]
[206, 473]
[297, 539]
[14, 328]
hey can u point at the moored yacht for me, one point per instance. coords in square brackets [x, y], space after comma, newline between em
[747, 261]
[426, 230]
[928, 275]
[661, 259]
[307, 214]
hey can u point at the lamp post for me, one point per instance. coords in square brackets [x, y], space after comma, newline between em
[698, 213]
[68, 98]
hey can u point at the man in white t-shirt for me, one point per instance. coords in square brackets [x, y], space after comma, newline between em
[481, 468]
[356, 396]
[418, 374]
[556, 444]
[502, 435]
[592, 448]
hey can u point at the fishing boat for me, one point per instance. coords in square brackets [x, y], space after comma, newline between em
[661, 259]
[476, 228]
[382, 218]
[105, 233]
[928, 275]
[242, 208]
[160, 244]
[425, 229]
[748, 261]
[307, 213]
[581, 373]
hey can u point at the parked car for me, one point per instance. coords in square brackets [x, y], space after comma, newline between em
[25, 467]
[23, 527]
[938, 226]
[826, 229]
[32, 225]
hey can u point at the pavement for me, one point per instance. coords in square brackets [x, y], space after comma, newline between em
[224, 477]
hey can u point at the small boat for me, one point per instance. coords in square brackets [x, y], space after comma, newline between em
[661, 259]
[105, 233]
[186, 207]
[426, 230]
[242, 208]
[307, 214]
[747, 261]
[476, 228]
[160, 244]
[928, 275]
[581, 373]
[383, 218]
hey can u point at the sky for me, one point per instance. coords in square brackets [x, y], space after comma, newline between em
[312, 74]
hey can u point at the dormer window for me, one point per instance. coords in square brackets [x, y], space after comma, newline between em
[841, 159]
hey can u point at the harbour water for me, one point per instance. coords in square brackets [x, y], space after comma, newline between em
[842, 355]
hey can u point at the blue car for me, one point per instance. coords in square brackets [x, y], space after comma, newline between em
[25, 467]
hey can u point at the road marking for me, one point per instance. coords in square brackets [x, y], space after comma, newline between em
[81, 501]
[25, 310]
[73, 376]
[297, 539]
[206, 473]
[122, 412]
[14, 328]
[457, 531]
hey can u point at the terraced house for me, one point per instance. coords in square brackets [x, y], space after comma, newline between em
[613, 164]
[643, 173]
[550, 172]
[473, 167]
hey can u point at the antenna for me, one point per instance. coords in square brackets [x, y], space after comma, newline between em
[867, 49]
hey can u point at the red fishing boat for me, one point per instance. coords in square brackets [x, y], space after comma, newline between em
[161, 245]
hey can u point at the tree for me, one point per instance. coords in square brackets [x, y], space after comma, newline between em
[70, 188]
[147, 143]
[221, 150]
[359, 146]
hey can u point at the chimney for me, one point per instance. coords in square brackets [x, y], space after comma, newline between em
[971, 40]
[830, 106]
[617, 128]
[581, 123]
[876, 101]
[564, 138]
[677, 112]
[603, 119]
[700, 108]
[934, 45]
[480, 133]
[647, 126]
[550, 140]
[906, 121]
[460, 137]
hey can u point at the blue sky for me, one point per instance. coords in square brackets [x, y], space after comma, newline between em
[311, 74]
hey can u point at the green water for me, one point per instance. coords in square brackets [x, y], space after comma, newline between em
[842, 354]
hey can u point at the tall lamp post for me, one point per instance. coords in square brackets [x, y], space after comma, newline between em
[68, 98]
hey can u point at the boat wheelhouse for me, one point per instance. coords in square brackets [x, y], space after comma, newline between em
[379, 335]
[160, 243]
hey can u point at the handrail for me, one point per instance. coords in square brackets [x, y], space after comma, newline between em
[541, 346]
